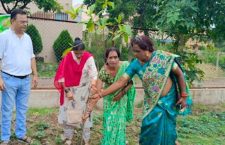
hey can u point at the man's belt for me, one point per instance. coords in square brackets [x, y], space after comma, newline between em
[20, 77]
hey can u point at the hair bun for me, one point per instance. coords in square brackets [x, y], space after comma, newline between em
[77, 39]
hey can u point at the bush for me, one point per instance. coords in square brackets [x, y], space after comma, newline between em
[36, 38]
[63, 42]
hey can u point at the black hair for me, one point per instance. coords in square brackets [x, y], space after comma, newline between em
[108, 50]
[15, 12]
[78, 44]
[144, 42]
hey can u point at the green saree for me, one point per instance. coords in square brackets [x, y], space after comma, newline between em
[116, 114]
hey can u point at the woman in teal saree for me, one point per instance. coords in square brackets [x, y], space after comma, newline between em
[166, 91]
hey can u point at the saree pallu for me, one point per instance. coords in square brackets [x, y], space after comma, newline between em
[116, 113]
[159, 121]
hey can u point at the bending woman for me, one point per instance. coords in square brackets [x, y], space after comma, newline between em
[116, 113]
[76, 74]
[165, 91]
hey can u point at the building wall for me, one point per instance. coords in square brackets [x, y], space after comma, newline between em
[49, 31]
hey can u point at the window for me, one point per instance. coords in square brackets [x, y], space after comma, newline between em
[61, 16]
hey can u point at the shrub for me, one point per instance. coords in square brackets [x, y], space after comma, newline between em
[36, 38]
[63, 42]
[99, 43]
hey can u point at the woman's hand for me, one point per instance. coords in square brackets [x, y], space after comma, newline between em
[95, 96]
[90, 106]
[123, 91]
[69, 95]
[182, 102]
[2, 86]
[119, 96]
[94, 89]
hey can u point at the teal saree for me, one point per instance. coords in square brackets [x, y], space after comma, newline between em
[160, 112]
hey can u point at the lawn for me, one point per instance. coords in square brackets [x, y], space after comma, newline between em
[206, 126]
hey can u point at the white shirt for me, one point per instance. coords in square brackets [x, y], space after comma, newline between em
[16, 53]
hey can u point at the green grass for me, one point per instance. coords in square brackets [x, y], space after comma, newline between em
[206, 126]
[46, 69]
[42, 111]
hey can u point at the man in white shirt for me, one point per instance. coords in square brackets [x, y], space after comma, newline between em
[18, 62]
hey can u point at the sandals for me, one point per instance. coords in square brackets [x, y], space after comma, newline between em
[65, 140]
[68, 142]
[25, 139]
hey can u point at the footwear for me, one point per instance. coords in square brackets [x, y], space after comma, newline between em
[4, 142]
[63, 138]
[68, 142]
[25, 139]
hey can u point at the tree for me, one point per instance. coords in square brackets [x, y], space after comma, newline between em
[182, 20]
[46, 5]
[36, 38]
[120, 7]
[179, 20]
[63, 42]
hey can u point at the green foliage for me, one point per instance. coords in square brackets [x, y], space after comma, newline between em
[100, 43]
[209, 55]
[46, 5]
[222, 61]
[46, 70]
[41, 127]
[63, 42]
[36, 38]
[178, 20]
[41, 111]
[114, 24]
[58, 140]
[36, 142]
[188, 59]
[182, 19]
[175, 18]
[4, 22]
[205, 126]
[40, 134]
[206, 129]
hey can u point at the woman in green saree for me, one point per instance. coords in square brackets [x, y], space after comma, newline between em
[116, 113]
[166, 91]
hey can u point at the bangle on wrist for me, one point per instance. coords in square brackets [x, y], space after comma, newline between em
[67, 90]
[184, 94]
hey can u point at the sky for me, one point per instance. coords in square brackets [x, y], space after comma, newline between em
[77, 2]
